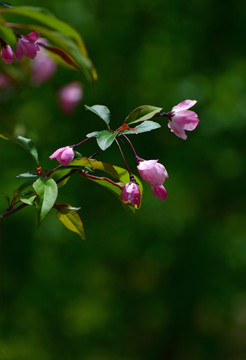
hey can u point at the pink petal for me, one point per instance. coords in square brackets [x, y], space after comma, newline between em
[160, 192]
[7, 54]
[186, 119]
[186, 104]
[32, 37]
[57, 153]
[177, 130]
[67, 156]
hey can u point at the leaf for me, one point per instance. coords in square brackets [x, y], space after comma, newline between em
[142, 113]
[27, 144]
[71, 219]
[6, 197]
[58, 175]
[105, 138]
[27, 175]
[47, 191]
[94, 133]
[4, 3]
[143, 127]
[28, 199]
[100, 110]
[8, 35]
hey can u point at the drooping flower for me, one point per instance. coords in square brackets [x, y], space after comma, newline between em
[69, 96]
[159, 191]
[182, 119]
[152, 172]
[43, 66]
[7, 54]
[27, 45]
[131, 194]
[63, 155]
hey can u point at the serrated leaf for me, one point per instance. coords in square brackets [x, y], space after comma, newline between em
[27, 144]
[101, 111]
[47, 191]
[105, 138]
[143, 127]
[70, 219]
[142, 113]
[27, 175]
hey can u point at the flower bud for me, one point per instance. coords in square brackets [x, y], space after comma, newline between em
[7, 54]
[183, 119]
[152, 172]
[69, 97]
[159, 191]
[63, 155]
[131, 194]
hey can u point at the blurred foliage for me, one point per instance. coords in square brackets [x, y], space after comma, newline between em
[169, 282]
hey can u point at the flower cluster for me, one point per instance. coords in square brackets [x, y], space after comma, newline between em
[26, 46]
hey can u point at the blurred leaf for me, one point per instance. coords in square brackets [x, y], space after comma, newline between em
[142, 113]
[28, 174]
[27, 144]
[6, 197]
[94, 133]
[143, 127]
[8, 35]
[101, 111]
[47, 191]
[71, 219]
[58, 175]
[26, 184]
[105, 138]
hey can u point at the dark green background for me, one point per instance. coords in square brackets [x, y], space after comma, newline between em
[170, 282]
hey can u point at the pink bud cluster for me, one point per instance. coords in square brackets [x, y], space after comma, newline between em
[26, 46]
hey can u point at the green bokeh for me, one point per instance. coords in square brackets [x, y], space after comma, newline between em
[168, 283]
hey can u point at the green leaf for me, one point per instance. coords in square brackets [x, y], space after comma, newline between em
[118, 173]
[143, 127]
[6, 197]
[105, 138]
[47, 191]
[71, 219]
[94, 133]
[28, 198]
[58, 175]
[142, 113]
[101, 111]
[26, 184]
[8, 35]
[27, 144]
[27, 175]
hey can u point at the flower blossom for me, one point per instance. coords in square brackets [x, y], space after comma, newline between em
[27, 46]
[7, 54]
[152, 172]
[182, 119]
[69, 96]
[159, 191]
[131, 194]
[63, 155]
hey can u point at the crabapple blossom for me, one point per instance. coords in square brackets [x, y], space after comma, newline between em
[63, 155]
[182, 119]
[131, 194]
[69, 96]
[152, 172]
[7, 54]
[159, 191]
[27, 45]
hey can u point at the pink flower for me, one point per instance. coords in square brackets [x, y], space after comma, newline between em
[182, 119]
[7, 54]
[43, 66]
[152, 172]
[131, 194]
[69, 96]
[27, 46]
[159, 191]
[63, 155]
